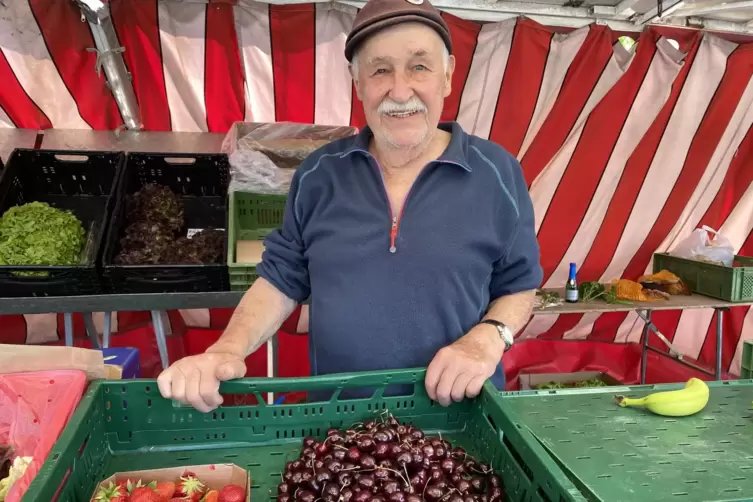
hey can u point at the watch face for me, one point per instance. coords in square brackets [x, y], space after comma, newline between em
[506, 335]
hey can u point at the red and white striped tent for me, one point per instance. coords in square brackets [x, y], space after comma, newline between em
[626, 151]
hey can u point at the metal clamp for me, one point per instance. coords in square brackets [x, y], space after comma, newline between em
[101, 55]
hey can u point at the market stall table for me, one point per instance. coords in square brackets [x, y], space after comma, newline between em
[137, 141]
[86, 304]
[11, 139]
[644, 310]
[157, 304]
[133, 141]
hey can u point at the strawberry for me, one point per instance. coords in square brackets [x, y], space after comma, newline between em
[211, 496]
[129, 484]
[232, 493]
[123, 483]
[111, 493]
[166, 489]
[145, 494]
[189, 487]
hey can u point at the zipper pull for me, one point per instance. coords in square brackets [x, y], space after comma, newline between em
[393, 235]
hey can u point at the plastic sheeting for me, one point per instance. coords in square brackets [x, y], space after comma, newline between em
[264, 157]
[34, 409]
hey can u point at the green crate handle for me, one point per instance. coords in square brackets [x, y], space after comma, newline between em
[337, 381]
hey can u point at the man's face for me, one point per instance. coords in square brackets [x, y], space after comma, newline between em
[402, 81]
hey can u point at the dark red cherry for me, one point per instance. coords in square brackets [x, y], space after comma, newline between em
[309, 442]
[305, 496]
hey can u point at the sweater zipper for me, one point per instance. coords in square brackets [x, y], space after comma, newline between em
[395, 229]
[394, 218]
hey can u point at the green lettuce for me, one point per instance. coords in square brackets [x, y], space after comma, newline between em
[38, 234]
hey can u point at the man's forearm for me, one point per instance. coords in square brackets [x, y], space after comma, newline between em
[513, 310]
[259, 315]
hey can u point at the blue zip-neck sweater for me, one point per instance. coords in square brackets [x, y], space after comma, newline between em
[388, 291]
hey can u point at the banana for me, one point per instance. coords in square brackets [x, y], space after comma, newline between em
[675, 403]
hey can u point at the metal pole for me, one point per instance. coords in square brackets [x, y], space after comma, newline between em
[719, 326]
[106, 330]
[644, 355]
[91, 330]
[159, 333]
[673, 351]
[68, 322]
[110, 59]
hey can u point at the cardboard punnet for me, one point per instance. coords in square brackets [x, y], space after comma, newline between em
[214, 476]
[530, 381]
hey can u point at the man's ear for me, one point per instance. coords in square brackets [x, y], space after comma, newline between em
[448, 76]
[353, 75]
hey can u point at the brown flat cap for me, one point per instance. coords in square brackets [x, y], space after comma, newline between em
[379, 14]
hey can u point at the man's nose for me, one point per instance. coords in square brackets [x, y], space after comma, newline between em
[401, 89]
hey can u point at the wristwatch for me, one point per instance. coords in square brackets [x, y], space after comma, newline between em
[505, 333]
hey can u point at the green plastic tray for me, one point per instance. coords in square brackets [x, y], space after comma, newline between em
[251, 217]
[127, 425]
[733, 284]
[627, 454]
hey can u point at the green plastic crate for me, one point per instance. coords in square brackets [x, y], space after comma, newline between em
[733, 284]
[127, 425]
[252, 217]
[629, 454]
[746, 361]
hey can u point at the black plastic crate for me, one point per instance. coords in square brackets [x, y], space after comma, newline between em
[201, 181]
[83, 182]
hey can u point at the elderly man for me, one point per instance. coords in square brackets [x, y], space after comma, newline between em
[414, 240]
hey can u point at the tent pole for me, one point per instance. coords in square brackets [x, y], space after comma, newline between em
[110, 59]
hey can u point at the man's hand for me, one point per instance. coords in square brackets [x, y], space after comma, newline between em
[195, 380]
[460, 370]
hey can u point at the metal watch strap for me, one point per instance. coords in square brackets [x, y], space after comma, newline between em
[500, 329]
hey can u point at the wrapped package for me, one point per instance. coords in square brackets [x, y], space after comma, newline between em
[264, 156]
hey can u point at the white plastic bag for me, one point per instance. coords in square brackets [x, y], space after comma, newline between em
[698, 246]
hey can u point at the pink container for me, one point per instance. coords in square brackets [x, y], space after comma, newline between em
[34, 409]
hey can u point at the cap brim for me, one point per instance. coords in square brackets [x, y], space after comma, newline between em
[369, 30]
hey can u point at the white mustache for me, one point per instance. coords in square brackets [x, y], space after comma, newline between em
[413, 105]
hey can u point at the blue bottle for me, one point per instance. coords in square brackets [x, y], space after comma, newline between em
[571, 288]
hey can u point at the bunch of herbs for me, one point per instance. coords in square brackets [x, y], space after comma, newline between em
[593, 290]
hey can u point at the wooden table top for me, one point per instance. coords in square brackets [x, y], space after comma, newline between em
[676, 302]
